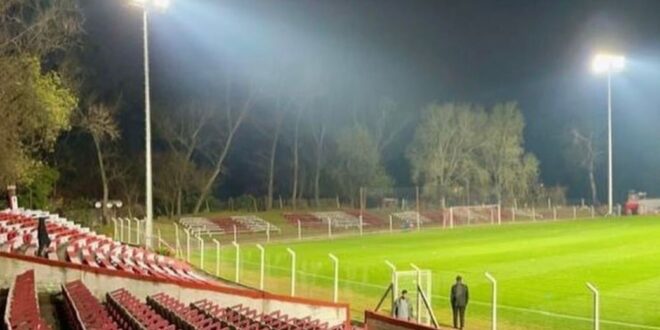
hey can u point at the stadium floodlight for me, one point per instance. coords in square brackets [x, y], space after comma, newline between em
[609, 64]
[605, 63]
[147, 5]
[161, 5]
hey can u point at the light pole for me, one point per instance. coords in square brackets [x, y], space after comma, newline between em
[608, 64]
[146, 5]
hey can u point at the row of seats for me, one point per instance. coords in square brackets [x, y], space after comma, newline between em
[72, 243]
[182, 316]
[22, 311]
[242, 317]
[82, 309]
[306, 219]
[131, 313]
[369, 219]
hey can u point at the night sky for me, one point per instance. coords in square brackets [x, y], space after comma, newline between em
[415, 52]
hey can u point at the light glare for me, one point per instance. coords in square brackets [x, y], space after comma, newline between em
[161, 4]
[608, 63]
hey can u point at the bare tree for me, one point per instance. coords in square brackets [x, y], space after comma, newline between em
[588, 155]
[99, 123]
[319, 125]
[296, 158]
[224, 130]
[38, 27]
[181, 129]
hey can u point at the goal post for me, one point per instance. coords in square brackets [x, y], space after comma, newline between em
[417, 283]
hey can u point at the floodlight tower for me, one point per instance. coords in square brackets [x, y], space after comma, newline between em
[609, 64]
[146, 6]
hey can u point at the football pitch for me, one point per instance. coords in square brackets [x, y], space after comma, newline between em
[541, 270]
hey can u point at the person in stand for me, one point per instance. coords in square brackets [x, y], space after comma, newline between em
[403, 308]
[42, 238]
[459, 300]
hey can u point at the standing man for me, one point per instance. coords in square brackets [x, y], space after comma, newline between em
[459, 300]
[42, 238]
[403, 308]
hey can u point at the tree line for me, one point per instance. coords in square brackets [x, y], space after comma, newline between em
[68, 143]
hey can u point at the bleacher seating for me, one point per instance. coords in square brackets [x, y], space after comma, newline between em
[72, 243]
[201, 225]
[339, 219]
[22, 311]
[368, 219]
[184, 317]
[306, 219]
[130, 313]
[242, 317]
[254, 223]
[82, 309]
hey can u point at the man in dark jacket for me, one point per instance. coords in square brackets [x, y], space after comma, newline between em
[459, 300]
[42, 238]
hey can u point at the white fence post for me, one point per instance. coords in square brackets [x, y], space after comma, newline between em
[329, 228]
[235, 234]
[187, 244]
[391, 223]
[137, 227]
[268, 232]
[299, 230]
[121, 229]
[178, 251]
[128, 229]
[594, 290]
[361, 223]
[494, 301]
[201, 251]
[499, 214]
[114, 229]
[574, 212]
[419, 284]
[262, 265]
[335, 296]
[418, 221]
[593, 211]
[451, 217]
[217, 257]
[293, 271]
[238, 261]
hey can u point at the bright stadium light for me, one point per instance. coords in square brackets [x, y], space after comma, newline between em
[608, 64]
[152, 4]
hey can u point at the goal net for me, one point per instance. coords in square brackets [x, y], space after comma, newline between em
[473, 215]
[408, 280]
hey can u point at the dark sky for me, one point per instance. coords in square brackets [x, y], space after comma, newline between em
[415, 52]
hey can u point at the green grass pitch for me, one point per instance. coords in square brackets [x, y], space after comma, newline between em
[541, 267]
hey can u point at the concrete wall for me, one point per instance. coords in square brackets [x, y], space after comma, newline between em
[375, 321]
[50, 275]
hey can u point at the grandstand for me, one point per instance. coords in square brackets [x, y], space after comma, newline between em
[106, 284]
[224, 225]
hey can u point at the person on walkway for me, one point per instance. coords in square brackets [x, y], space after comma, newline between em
[403, 308]
[42, 238]
[459, 300]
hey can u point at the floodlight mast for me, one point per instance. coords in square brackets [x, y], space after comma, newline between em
[147, 5]
[608, 64]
